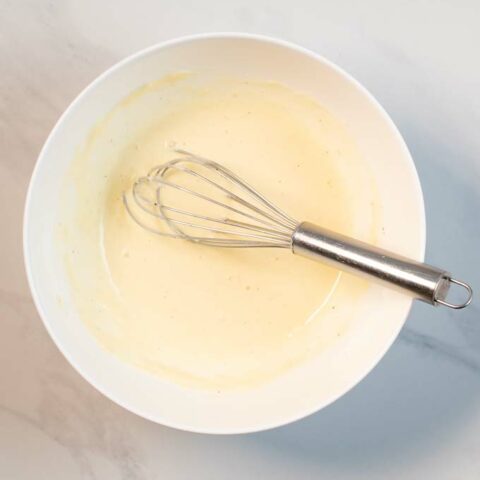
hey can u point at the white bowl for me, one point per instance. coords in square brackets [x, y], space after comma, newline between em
[381, 312]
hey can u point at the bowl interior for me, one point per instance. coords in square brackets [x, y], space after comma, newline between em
[379, 314]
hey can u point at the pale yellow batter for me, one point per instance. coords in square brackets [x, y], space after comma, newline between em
[206, 317]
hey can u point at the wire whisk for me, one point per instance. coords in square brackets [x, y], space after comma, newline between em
[199, 200]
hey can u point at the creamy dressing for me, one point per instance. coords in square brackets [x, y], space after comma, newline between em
[206, 317]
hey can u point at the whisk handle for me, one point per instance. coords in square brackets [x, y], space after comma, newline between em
[419, 280]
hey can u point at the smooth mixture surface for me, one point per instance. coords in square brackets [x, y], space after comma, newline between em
[206, 317]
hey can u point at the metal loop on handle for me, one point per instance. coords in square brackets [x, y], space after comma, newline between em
[467, 302]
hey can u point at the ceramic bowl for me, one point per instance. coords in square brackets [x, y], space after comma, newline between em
[380, 313]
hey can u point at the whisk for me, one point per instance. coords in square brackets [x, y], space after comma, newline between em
[222, 210]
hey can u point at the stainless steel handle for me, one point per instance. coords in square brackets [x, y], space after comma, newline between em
[419, 280]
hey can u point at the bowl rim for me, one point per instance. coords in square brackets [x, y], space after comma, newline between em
[409, 164]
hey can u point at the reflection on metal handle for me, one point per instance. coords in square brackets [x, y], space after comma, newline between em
[419, 280]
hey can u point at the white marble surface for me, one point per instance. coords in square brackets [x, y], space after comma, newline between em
[417, 415]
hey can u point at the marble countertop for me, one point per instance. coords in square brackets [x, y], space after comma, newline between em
[417, 415]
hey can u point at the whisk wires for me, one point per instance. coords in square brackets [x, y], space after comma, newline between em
[199, 200]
